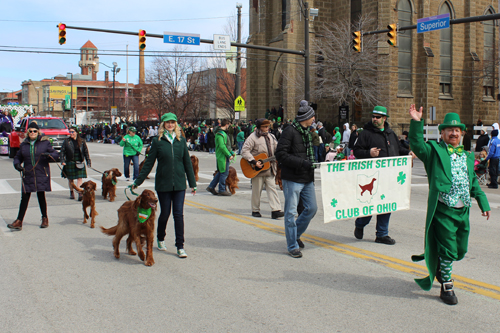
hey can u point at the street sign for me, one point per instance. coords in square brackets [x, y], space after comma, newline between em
[433, 23]
[181, 38]
[114, 110]
[343, 111]
[239, 104]
[222, 42]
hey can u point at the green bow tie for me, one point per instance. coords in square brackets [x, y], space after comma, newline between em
[459, 150]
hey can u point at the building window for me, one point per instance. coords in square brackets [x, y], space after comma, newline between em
[489, 56]
[445, 55]
[404, 47]
[355, 10]
[283, 14]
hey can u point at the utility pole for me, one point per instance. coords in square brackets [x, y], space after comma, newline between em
[237, 85]
[306, 52]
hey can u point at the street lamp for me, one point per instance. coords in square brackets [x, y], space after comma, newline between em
[115, 71]
[71, 102]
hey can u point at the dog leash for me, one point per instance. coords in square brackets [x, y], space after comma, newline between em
[102, 173]
[131, 191]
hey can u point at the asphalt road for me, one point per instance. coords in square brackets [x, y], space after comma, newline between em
[238, 276]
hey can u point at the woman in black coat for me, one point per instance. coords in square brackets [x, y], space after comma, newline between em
[211, 141]
[34, 153]
[73, 152]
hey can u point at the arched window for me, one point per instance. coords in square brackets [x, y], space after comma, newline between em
[404, 47]
[445, 55]
[489, 56]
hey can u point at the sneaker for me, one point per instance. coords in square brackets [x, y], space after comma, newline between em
[211, 190]
[295, 253]
[385, 240]
[161, 246]
[128, 179]
[358, 233]
[182, 253]
[256, 214]
[301, 244]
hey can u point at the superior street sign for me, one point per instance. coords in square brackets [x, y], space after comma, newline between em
[181, 38]
[433, 23]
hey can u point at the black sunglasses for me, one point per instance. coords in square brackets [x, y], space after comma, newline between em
[33, 131]
[376, 117]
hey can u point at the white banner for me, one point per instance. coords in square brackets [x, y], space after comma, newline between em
[357, 188]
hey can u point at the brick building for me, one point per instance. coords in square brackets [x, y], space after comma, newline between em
[461, 77]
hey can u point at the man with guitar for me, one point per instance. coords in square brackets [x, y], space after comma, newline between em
[259, 164]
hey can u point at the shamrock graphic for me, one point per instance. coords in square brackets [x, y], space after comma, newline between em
[401, 178]
[334, 202]
[382, 196]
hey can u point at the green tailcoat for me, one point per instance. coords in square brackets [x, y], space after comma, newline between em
[438, 167]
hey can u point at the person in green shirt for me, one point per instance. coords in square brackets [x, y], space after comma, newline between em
[132, 147]
[223, 154]
[336, 137]
[240, 139]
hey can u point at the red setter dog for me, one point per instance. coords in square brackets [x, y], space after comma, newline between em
[109, 183]
[88, 189]
[128, 223]
[368, 187]
[196, 168]
[144, 160]
[232, 180]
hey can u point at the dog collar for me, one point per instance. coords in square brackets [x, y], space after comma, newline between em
[143, 214]
[112, 181]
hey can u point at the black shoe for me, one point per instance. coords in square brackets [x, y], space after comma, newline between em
[295, 253]
[385, 240]
[490, 186]
[71, 195]
[211, 190]
[301, 244]
[225, 194]
[256, 214]
[447, 293]
[439, 278]
[358, 233]
[276, 214]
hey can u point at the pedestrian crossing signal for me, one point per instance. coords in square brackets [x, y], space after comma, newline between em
[356, 41]
[62, 33]
[142, 40]
[393, 35]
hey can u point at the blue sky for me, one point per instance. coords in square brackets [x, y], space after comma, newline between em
[31, 25]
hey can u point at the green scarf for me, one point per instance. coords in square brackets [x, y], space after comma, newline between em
[143, 214]
[306, 138]
[32, 151]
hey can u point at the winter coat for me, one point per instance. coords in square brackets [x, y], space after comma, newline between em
[134, 145]
[36, 178]
[346, 134]
[290, 153]
[372, 137]
[255, 145]
[481, 142]
[438, 167]
[240, 137]
[222, 149]
[211, 139]
[174, 163]
[352, 139]
[68, 151]
[322, 134]
[315, 139]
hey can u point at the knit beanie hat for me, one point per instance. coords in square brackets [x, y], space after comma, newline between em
[33, 125]
[305, 111]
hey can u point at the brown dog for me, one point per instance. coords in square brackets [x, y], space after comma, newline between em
[109, 183]
[144, 160]
[88, 189]
[196, 168]
[128, 223]
[232, 180]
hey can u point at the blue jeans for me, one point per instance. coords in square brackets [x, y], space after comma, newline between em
[240, 145]
[294, 228]
[321, 153]
[220, 178]
[382, 223]
[126, 165]
[211, 150]
[316, 153]
[171, 201]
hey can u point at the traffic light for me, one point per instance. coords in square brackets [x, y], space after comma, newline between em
[356, 41]
[142, 40]
[62, 33]
[393, 35]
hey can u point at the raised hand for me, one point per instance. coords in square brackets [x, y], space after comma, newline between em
[415, 115]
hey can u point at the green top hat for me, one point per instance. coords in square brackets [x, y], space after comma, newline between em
[380, 110]
[451, 120]
[169, 116]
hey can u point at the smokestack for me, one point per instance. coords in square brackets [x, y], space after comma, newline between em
[142, 77]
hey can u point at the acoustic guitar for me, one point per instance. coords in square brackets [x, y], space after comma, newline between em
[250, 170]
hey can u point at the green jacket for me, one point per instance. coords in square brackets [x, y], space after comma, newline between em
[174, 163]
[222, 149]
[438, 166]
[240, 137]
[336, 138]
[315, 138]
[133, 145]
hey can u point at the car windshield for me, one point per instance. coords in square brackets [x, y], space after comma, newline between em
[50, 123]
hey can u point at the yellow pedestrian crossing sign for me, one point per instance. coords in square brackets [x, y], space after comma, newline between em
[239, 104]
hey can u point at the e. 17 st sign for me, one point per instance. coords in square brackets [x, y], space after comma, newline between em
[181, 38]
[433, 23]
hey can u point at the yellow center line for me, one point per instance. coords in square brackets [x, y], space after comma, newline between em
[409, 267]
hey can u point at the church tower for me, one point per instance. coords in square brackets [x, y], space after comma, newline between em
[89, 61]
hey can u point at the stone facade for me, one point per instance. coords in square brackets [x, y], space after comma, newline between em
[267, 87]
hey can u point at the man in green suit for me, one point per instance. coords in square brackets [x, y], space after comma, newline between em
[452, 184]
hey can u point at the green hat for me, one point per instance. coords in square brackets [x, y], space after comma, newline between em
[132, 129]
[169, 116]
[380, 110]
[451, 119]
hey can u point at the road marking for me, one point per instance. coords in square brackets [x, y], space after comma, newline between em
[5, 187]
[3, 227]
[56, 187]
[461, 282]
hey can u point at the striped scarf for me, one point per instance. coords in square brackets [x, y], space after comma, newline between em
[306, 138]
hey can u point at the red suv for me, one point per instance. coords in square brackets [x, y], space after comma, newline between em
[53, 127]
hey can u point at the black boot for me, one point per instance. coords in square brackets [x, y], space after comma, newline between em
[71, 194]
[447, 293]
[276, 214]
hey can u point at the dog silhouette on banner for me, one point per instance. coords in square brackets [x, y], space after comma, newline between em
[367, 187]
